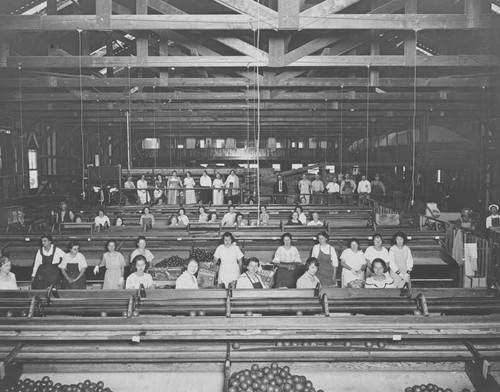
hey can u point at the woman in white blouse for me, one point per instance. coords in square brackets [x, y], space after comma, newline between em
[353, 263]
[286, 257]
[203, 216]
[182, 217]
[375, 251]
[101, 221]
[142, 190]
[218, 194]
[188, 280]
[7, 278]
[189, 184]
[400, 260]
[141, 250]
[230, 257]
[139, 276]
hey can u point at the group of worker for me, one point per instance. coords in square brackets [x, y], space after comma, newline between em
[375, 267]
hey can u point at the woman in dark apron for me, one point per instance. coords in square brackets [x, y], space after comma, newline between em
[73, 268]
[46, 270]
[290, 267]
[250, 279]
[327, 259]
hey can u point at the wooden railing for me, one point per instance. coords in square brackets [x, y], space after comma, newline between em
[485, 245]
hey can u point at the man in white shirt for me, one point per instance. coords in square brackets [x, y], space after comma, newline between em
[206, 184]
[317, 188]
[364, 190]
[333, 190]
[493, 220]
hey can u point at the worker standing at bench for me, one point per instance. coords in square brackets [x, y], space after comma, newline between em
[73, 266]
[46, 271]
[400, 260]
[230, 257]
[364, 190]
[287, 258]
[328, 261]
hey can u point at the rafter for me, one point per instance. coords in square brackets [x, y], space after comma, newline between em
[245, 22]
[247, 61]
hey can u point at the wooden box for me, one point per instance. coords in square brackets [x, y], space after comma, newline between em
[387, 219]
[206, 277]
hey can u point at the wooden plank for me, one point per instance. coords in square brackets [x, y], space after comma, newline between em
[247, 61]
[400, 22]
[244, 22]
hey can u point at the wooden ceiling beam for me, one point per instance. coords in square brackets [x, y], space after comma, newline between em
[348, 96]
[214, 106]
[103, 83]
[247, 61]
[245, 22]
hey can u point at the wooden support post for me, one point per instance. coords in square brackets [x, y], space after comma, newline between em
[53, 37]
[288, 11]
[410, 37]
[276, 49]
[109, 53]
[103, 14]
[374, 50]
[142, 38]
[473, 9]
[163, 51]
[227, 367]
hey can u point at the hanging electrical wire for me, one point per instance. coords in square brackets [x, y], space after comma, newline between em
[257, 76]
[21, 126]
[155, 151]
[129, 118]
[341, 128]
[414, 125]
[326, 128]
[367, 121]
[81, 110]
[170, 132]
